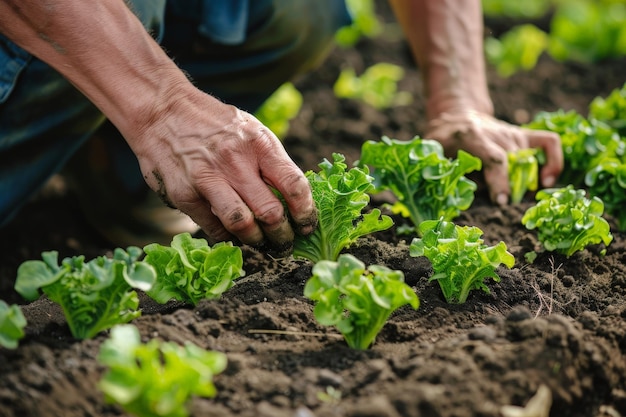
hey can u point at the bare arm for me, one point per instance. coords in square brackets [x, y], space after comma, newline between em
[210, 160]
[102, 49]
[446, 38]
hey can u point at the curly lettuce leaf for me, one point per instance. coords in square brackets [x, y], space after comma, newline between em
[588, 31]
[523, 172]
[584, 142]
[607, 181]
[365, 22]
[12, 323]
[460, 260]
[377, 86]
[156, 378]
[340, 196]
[190, 270]
[279, 108]
[358, 301]
[517, 49]
[426, 183]
[94, 295]
[611, 109]
[567, 221]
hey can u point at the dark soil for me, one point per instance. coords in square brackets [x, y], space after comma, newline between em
[558, 322]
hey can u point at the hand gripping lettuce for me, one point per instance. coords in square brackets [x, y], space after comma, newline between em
[340, 196]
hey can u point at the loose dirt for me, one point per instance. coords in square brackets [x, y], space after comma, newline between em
[559, 322]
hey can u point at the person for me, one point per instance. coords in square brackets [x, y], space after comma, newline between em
[179, 81]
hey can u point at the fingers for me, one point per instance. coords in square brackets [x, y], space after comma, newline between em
[290, 181]
[245, 206]
[200, 212]
[232, 212]
[550, 142]
[490, 139]
[496, 172]
[268, 215]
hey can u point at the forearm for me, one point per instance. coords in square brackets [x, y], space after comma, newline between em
[101, 48]
[446, 38]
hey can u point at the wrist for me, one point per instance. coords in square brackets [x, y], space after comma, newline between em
[440, 104]
[155, 95]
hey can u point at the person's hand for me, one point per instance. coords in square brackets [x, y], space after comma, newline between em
[490, 139]
[210, 160]
[217, 163]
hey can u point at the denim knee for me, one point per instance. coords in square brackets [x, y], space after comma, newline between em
[248, 52]
[43, 118]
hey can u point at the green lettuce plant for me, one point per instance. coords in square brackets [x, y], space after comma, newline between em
[518, 49]
[607, 180]
[588, 31]
[94, 295]
[567, 221]
[355, 299]
[190, 270]
[460, 260]
[523, 172]
[580, 30]
[377, 86]
[340, 196]
[12, 323]
[156, 379]
[278, 110]
[365, 22]
[611, 110]
[585, 142]
[426, 183]
[530, 9]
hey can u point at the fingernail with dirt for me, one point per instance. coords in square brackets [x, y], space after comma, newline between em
[307, 226]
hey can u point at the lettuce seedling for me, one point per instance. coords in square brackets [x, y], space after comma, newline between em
[94, 295]
[585, 142]
[358, 301]
[156, 379]
[12, 323]
[426, 183]
[567, 221]
[607, 181]
[519, 48]
[531, 9]
[588, 31]
[523, 172]
[365, 22]
[190, 270]
[340, 196]
[377, 86]
[611, 110]
[277, 111]
[460, 260]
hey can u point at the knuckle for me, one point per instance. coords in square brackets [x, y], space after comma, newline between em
[217, 234]
[297, 186]
[271, 216]
[238, 220]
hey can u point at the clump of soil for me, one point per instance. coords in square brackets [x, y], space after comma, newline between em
[558, 322]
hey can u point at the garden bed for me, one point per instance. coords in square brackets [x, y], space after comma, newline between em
[559, 322]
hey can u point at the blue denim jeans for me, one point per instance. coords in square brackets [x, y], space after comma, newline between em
[237, 50]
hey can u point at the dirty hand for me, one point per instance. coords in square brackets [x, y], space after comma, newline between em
[490, 139]
[216, 163]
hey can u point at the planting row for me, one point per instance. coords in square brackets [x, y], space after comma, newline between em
[431, 191]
